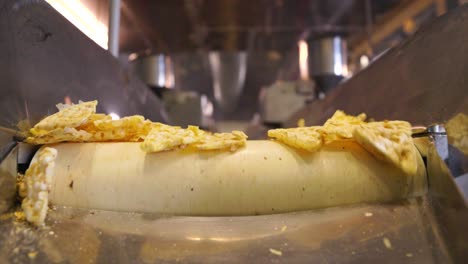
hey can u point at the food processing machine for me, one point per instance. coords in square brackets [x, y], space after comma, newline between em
[422, 81]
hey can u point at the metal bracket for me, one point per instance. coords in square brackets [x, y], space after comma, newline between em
[451, 156]
[439, 136]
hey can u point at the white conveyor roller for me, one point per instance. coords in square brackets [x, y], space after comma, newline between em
[263, 177]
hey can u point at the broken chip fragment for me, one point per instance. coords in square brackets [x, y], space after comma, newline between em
[131, 128]
[341, 126]
[306, 138]
[80, 123]
[163, 137]
[219, 141]
[37, 182]
[389, 141]
[71, 116]
[59, 135]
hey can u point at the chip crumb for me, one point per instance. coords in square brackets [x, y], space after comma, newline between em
[301, 122]
[32, 254]
[19, 215]
[276, 252]
[409, 255]
[368, 214]
[387, 243]
[284, 228]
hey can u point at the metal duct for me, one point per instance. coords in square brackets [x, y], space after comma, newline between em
[328, 61]
[155, 70]
[114, 25]
[228, 71]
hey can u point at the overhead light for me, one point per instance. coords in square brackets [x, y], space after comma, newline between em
[364, 61]
[84, 19]
[68, 100]
[303, 62]
[194, 238]
[132, 56]
[207, 106]
[114, 116]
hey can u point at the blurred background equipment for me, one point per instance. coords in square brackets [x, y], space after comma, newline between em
[229, 50]
[228, 70]
[284, 98]
[155, 70]
[330, 61]
[221, 55]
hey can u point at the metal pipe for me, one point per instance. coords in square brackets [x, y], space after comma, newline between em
[228, 70]
[329, 61]
[155, 70]
[329, 56]
[394, 20]
[114, 24]
[369, 24]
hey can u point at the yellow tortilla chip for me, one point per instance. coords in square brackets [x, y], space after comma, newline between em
[99, 117]
[163, 137]
[131, 128]
[220, 141]
[390, 141]
[71, 116]
[37, 182]
[60, 135]
[131, 122]
[340, 117]
[341, 126]
[301, 122]
[89, 124]
[80, 123]
[305, 138]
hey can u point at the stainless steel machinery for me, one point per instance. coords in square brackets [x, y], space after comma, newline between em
[424, 229]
